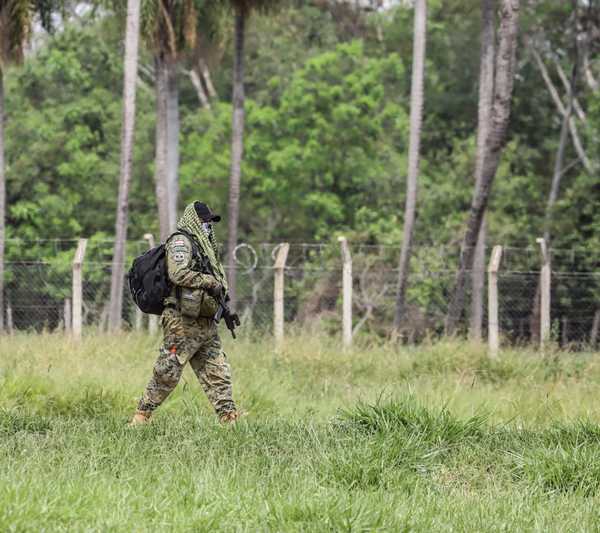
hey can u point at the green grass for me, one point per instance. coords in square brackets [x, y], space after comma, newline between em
[429, 438]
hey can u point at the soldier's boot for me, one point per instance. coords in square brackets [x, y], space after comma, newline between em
[140, 418]
[230, 418]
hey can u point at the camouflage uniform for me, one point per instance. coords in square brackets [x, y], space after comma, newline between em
[190, 333]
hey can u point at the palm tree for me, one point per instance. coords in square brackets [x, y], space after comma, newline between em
[169, 27]
[242, 9]
[416, 113]
[161, 158]
[129, 83]
[16, 21]
[237, 145]
[498, 125]
[173, 127]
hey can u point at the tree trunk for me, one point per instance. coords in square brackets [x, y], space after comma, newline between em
[505, 65]
[161, 182]
[172, 143]
[2, 201]
[486, 95]
[237, 148]
[127, 131]
[477, 286]
[416, 115]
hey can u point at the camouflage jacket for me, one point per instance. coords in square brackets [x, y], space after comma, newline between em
[190, 283]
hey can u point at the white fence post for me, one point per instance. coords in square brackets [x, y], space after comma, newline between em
[278, 289]
[67, 315]
[78, 288]
[493, 328]
[347, 292]
[545, 284]
[152, 319]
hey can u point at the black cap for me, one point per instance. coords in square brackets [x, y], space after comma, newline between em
[205, 214]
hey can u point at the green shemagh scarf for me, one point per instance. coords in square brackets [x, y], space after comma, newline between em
[191, 223]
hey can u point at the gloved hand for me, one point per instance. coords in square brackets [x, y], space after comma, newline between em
[213, 287]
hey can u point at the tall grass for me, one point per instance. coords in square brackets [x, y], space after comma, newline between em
[431, 438]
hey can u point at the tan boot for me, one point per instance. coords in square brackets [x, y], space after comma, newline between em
[230, 418]
[140, 418]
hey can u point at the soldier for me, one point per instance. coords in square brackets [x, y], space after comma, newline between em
[190, 332]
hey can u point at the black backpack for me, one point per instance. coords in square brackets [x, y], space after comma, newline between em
[148, 278]
[149, 282]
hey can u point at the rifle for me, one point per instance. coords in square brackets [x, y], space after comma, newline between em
[231, 319]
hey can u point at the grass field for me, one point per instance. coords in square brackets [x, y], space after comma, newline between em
[429, 438]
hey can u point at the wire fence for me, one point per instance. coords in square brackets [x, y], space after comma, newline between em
[38, 292]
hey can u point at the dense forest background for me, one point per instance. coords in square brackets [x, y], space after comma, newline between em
[326, 131]
[327, 100]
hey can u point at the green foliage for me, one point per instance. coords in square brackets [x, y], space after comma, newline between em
[341, 99]
[325, 141]
[63, 141]
[295, 183]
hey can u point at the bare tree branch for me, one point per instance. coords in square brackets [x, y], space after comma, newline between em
[576, 107]
[210, 88]
[592, 82]
[197, 83]
[562, 110]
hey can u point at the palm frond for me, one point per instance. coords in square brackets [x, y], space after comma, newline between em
[16, 18]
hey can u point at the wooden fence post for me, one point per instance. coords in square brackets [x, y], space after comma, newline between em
[595, 329]
[278, 307]
[67, 315]
[545, 284]
[493, 329]
[347, 293]
[78, 288]
[152, 319]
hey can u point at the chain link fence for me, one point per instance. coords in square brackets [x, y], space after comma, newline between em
[37, 293]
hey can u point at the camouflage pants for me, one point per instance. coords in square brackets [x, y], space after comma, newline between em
[196, 341]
